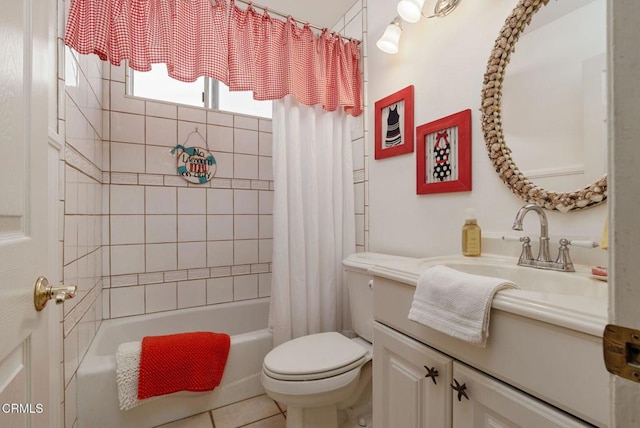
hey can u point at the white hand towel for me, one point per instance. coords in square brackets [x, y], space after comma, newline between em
[127, 372]
[456, 303]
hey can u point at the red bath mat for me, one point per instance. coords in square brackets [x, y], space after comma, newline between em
[182, 362]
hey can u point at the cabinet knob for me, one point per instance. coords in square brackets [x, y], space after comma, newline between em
[432, 373]
[461, 389]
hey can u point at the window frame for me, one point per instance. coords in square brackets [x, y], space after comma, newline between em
[210, 95]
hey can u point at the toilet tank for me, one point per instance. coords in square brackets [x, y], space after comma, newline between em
[359, 284]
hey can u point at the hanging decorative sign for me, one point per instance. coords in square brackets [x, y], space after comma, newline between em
[195, 164]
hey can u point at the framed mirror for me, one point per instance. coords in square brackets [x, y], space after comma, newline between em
[550, 103]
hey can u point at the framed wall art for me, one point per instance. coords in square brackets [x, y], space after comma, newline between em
[394, 124]
[444, 154]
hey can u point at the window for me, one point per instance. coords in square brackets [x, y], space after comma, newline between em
[204, 92]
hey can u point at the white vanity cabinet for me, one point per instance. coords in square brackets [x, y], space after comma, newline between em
[412, 388]
[531, 373]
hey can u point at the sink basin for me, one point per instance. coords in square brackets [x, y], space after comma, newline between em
[573, 300]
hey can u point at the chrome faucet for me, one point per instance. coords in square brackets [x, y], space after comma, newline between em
[543, 250]
[543, 261]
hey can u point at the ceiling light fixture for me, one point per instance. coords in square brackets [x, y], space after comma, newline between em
[389, 41]
[411, 11]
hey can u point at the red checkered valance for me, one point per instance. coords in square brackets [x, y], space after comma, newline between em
[246, 50]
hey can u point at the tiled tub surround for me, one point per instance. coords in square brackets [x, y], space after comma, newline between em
[81, 125]
[172, 244]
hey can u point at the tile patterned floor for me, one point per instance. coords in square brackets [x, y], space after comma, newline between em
[256, 412]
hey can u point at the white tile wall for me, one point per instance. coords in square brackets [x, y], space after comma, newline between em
[161, 228]
[192, 293]
[192, 255]
[161, 131]
[192, 114]
[127, 301]
[219, 290]
[192, 201]
[265, 143]
[264, 285]
[126, 199]
[159, 160]
[246, 227]
[219, 118]
[127, 259]
[158, 109]
[245, 287]
[245, 141]
[265, 169]
[245, 202]
[127, 128]
[192, 228]
[245, 122]
[265, 248]
[161, 200]
[220, 201]
[161, 297]
[245, 166]
[265, 227]
[245, 252]
[161, 257]
[224, 164]
[220, 253]
[127, 229]
[220, 138]
[219, 227]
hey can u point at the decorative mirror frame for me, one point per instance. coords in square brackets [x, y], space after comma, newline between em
[492, 128]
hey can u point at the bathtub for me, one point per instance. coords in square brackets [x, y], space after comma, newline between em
[245, 322]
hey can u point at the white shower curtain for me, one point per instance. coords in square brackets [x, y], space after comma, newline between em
[313, 219]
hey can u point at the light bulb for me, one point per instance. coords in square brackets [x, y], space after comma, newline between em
[389, 41]
[410, 10]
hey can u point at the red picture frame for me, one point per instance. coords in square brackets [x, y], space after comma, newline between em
[394, 124]
[443, 155]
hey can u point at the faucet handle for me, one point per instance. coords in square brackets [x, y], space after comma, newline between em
[584, 244]
[564, 258]
[525, 255]
[515, 238]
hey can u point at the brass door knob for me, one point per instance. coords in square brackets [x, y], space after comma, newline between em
[44, 292]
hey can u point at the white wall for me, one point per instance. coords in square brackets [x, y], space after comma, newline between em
[445, 59]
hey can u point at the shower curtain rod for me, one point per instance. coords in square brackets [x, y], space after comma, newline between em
[284, 15]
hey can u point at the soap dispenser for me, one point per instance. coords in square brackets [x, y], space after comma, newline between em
[471, 235]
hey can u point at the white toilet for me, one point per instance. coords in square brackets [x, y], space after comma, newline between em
[325, 378]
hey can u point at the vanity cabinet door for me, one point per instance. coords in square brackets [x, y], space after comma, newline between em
[491, 403]
[411, 382]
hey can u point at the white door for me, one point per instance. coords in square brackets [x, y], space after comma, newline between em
[623, 21]
[24, 85]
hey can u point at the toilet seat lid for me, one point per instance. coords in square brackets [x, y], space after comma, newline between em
[315, 356]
